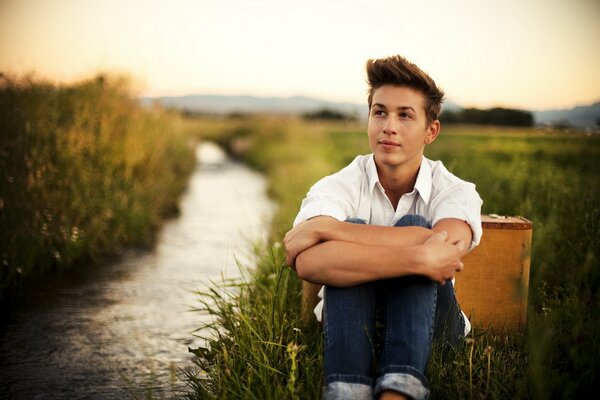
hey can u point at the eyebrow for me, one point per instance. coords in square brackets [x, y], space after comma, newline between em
[398, 108]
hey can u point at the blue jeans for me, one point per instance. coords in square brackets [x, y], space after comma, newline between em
[379, 335]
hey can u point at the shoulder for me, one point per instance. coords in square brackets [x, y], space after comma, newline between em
[350, 175]
[357, 167]
[335, 195]
[445, 186]
[442, 179]
[453, 197]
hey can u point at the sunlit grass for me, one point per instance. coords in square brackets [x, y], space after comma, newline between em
[551, 179]
[258, 347]
[83, 170]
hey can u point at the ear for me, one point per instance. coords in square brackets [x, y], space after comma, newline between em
[433, 130]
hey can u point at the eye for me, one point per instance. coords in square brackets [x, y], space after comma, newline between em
[378, 112]
[405, 115]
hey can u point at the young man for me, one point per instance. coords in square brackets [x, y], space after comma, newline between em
[385, 236]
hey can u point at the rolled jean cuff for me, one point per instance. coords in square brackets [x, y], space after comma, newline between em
[342, 387]
[403, 379]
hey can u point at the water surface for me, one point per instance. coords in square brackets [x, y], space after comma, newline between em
[126, 327]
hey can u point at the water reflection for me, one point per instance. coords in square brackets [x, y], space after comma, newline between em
[127, 326]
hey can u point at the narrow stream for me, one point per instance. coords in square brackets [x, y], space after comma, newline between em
[125, 328]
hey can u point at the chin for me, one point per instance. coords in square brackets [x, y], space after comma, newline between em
[388, 159]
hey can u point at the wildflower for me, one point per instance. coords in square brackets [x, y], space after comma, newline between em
[47, 214]
[74, 234]
[546, 310]
[293, 348]
[202, 374]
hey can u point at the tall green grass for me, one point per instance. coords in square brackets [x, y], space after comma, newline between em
[83, 171]
[258, 346]
[553, 181]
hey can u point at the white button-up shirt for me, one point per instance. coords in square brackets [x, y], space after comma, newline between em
[355, 192]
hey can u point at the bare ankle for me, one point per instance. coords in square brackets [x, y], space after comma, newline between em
[391, 395]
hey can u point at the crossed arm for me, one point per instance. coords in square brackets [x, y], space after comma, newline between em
[327, 251]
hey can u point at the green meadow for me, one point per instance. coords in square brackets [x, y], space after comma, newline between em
[259, 347]
[85, 171]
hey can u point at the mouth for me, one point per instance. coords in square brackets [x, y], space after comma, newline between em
[389, 143]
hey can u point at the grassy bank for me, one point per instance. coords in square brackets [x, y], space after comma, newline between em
[83, 170]
[261, 349]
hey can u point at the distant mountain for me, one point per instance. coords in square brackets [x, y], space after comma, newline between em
[580, 116]
[449, 105]
[252, 104]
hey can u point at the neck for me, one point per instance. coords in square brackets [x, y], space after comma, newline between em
[398, 180]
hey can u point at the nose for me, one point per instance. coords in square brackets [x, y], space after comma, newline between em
[389, 126]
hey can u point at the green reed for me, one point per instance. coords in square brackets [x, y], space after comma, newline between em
[83, 170]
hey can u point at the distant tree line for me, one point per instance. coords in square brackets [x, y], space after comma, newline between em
[492, 116]
[328, 114]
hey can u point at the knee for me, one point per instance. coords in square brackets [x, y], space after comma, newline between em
[413, 220]
[358, 294]
[357, 301]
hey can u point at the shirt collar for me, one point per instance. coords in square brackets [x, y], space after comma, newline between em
[371, 169]
[424, 180]
[423, 183]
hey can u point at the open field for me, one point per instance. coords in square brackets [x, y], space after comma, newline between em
[266, 351]
[84, 171]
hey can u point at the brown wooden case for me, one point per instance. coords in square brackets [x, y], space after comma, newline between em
[493, 286]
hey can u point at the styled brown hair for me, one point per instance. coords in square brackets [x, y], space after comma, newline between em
[397, 70]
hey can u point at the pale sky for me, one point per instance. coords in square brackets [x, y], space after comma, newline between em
[533, 54]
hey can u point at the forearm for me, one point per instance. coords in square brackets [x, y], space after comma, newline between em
[322, 229]
[374, 235]
[339, 263]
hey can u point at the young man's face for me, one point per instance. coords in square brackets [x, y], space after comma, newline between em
[398, 127]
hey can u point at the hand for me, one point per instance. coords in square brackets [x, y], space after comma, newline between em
[441, 259]
[303, 236]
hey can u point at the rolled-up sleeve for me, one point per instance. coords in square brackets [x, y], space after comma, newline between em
[314, 207]
[460, 201]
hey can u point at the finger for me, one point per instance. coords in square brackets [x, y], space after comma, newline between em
[461, 245]
[438, 237]
[290, 256]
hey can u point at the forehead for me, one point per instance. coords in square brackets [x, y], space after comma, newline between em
[393, 96]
